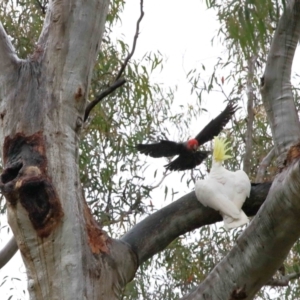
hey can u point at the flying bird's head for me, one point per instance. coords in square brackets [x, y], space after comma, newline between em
[220, 149]
[192, 144]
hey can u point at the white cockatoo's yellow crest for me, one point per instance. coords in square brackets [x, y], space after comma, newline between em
[220, 149]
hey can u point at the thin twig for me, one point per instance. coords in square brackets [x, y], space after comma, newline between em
[235, 121]
[134, 41]
[42, 7]
[124, 214]
[102, 95]
[118, 80]
[284, 280]
[165, 174]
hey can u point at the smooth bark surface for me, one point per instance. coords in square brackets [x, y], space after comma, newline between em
[264, 165]
[8, 56]
[276, 89]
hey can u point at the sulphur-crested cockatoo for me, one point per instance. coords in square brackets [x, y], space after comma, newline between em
[223, 190]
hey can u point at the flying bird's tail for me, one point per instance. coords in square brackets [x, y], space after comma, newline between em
[187, 161]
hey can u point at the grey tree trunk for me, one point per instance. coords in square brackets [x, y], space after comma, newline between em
[43, 99]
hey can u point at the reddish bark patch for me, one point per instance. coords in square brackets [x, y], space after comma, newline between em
[29, 149]
[97, 238]
[38, 197]
[2, 114]
[24, 180]
[239, 293]
[293, 153]
[37, 54]
[78, 94]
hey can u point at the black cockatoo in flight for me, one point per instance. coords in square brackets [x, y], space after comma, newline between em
[189, 157]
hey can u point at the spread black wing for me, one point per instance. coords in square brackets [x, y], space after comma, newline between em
[186, 161]
[215, 126]
[161, 149]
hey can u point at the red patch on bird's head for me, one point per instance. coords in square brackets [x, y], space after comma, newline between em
[192, 144]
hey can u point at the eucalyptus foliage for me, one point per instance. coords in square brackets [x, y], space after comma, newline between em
[113, 175]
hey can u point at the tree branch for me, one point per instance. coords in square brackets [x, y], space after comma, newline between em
[134, 41]
[276, 88]
[263, 165]
[42, 7]
[165, 175]
[118, 80]
[157, 231]
[250, 118]
[262, 247]
[284, 280]
[8, 251]
[102, 95]
[8, 55]
[274, 282]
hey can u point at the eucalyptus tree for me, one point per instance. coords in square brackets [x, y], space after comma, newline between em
[49, 132]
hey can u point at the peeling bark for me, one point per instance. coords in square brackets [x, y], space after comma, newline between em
[24, 180]
[97, 238]
[66, 253]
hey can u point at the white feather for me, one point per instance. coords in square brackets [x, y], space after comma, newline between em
[211, 193]
[226, 192]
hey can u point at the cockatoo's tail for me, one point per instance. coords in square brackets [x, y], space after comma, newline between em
[220, 149]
